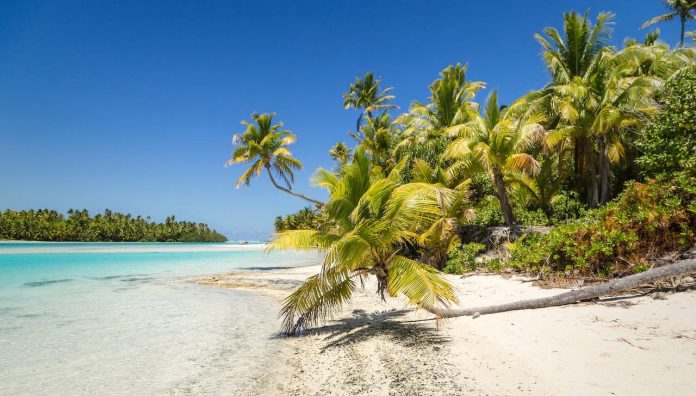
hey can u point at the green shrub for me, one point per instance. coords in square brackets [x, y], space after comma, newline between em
[463, 258]
[487, 212]
[494, 265]
[646, 220]
[566, 206]
[531, 217]
[669, 143]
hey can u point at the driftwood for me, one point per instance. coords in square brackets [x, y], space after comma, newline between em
[586, 293]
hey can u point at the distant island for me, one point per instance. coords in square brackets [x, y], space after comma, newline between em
[79, 226]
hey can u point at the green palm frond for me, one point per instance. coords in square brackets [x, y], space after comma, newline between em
[316, 299]
[423, 285]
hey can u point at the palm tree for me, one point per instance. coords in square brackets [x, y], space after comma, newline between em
[370, 217]
[680, 8]
[377, 138]
[451, 105]
[497, 144]
[278, 224]
[340, 152]
[442, 236]
[265, 144]
[574, 56]
[364, 95]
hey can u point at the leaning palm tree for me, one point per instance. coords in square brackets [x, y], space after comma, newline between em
[369, 217]
[265, 145]
[681, 8]
[498, 144]
[364, 95]
[340, 153]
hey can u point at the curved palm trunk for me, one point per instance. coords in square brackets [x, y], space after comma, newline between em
[357, 125]
[505, 206]
[281, 188]
[587, 293]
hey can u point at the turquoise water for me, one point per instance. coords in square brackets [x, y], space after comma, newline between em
[99, 318]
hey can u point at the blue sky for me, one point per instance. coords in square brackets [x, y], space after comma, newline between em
[131, 105]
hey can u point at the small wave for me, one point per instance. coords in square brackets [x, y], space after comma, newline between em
[47, 282]
[265, 268]
[112, 277]
[137, 279]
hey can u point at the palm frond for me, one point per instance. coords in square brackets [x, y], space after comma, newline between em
[316, 299]
[423, 285]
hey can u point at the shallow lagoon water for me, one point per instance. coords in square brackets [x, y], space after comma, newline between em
[92, 318]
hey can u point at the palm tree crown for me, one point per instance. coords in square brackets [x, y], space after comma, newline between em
[451, 105]
[340, 152]
[364, 95]
[497, 143]
[680, 8]
[264, 144]
[371, 215]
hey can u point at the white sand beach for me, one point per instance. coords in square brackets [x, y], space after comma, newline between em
[621, 345]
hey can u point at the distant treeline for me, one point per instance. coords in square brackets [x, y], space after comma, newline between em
[50, 225]
[304, 219]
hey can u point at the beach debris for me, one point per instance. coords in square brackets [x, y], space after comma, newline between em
[659, 296]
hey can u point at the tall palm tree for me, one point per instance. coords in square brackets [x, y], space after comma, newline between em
[496, 143]
[680, 8]
[364, 95]
[265, 145]
[340, 152]
[370, 217]
[576, 54]
[451, 105]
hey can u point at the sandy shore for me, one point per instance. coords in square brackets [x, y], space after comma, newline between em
[621, 346]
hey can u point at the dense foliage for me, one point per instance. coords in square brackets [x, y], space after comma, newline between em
[49, 225]
[608, 119]
[303, 219]
[645, 221]
[669, 143]
[462, 258]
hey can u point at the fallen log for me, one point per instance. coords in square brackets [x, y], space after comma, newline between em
[586, 293]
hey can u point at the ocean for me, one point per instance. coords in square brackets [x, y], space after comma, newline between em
[123, 319]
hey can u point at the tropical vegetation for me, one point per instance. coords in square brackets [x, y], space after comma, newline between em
[603, 154]
[79, 225]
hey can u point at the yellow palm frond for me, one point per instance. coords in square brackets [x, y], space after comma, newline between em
[423, 285]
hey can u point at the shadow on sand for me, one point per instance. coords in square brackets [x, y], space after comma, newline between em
[362, 326]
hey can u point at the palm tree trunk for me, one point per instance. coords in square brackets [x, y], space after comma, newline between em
[591, 175]
[587, 293]
[576, 164]
[281, 188]
[604, 170]
[681, 38]
[499, 183]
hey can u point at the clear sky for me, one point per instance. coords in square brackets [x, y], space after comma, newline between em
[131, 105]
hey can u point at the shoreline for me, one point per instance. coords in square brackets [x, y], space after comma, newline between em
[25, 247]
[625, 345]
